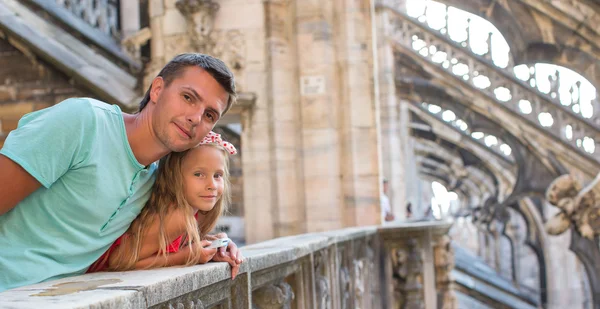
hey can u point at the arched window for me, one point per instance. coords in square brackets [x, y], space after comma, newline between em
[560, 84]
[488, 140]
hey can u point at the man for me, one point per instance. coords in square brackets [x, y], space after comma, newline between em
[386, 209]
[74, 176]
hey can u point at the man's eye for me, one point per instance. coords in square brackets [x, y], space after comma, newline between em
[210, 116]
[187, 97]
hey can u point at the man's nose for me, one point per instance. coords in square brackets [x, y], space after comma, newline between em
[195, 117]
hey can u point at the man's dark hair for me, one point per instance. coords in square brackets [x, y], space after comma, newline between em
[213, 66]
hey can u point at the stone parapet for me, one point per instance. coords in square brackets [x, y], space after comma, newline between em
[347, 268]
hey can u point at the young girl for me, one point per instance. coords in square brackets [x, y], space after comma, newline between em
[190, 193]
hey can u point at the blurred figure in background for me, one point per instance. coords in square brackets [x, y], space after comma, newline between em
[386, 209]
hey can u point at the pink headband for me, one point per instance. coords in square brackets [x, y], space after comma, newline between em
[215, 138]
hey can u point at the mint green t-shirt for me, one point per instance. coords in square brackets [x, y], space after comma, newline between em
[92, 189]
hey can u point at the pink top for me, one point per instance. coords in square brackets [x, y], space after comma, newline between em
[101, 264]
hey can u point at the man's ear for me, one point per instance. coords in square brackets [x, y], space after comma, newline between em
[157, 86]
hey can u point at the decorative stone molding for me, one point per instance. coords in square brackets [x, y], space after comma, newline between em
[444, 264]
[274, 296]
[579, 206]
[200, 17]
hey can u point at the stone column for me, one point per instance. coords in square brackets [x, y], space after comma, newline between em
[338, 113]
[392, 145]
[286, 168]
[444, 264]
[319, 113]
[359, 112]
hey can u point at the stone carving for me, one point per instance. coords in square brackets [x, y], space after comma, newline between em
[372, 282]
[345, 287]
[323, 297]
[200, 17]
[274, 296]
[321, 282]
[579, 206]
[444, 263]
[407, 267]
[359, 283]
[133, 43]
[186, 305]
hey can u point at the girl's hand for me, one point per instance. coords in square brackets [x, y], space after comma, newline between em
[229, 254]
[206, 254]
[231, 250]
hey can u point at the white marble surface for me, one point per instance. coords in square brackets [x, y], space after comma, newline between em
[141, 289]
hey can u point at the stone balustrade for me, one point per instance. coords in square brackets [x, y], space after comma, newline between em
[499, 85]
[406, 265]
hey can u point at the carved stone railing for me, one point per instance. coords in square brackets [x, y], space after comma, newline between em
[98, 21]
[497, 84]
[100, 14]
[399, 266]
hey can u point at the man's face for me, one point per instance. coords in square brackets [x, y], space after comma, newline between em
[187, 109]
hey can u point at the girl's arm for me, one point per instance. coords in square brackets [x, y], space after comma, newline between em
[177, 258]
[149, 242]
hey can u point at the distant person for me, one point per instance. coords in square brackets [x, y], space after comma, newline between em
[386, 209]
[429, 214]
[408, 210]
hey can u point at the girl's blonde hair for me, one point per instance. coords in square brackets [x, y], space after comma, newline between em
[167, 195]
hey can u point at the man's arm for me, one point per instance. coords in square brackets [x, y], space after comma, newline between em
[15, 184]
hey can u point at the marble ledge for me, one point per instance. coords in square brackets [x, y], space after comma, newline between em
[142, 289]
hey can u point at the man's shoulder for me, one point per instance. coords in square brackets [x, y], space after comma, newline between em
[87, 105]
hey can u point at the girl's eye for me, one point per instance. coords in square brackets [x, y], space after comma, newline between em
[197, 174]
[218, 176]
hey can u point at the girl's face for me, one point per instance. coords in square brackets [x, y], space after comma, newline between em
[203, 169]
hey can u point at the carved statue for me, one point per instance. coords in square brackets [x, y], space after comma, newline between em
[345, 287]
[444, 263]
[322, 287]
[579, 206]
[407, 267]
[359, 283]
[274, 296]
